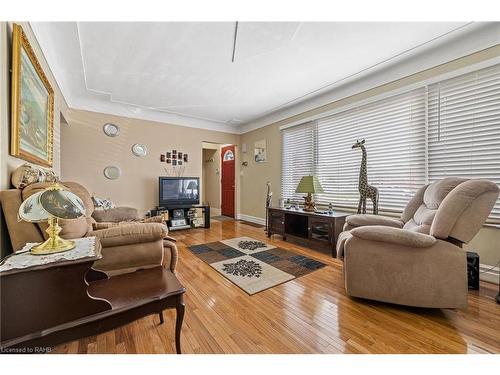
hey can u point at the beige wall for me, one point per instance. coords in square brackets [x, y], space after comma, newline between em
[9, 163]
[87, 151]
[256, 174]
[211, 178]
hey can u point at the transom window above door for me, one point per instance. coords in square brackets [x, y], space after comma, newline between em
[228, 155]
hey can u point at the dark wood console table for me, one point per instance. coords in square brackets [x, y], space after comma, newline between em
[310, 229]
[42, 306]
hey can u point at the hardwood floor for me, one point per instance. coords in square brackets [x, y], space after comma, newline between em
[311, 314]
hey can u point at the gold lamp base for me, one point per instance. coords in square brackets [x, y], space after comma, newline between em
[309, 204]
[54, 244]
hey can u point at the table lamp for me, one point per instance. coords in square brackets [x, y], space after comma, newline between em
[309, 185]
[50, 205]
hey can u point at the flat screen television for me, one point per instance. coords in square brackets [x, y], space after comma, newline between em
[179, 191]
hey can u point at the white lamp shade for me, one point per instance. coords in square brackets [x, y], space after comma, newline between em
[32, 211]
[62, 204]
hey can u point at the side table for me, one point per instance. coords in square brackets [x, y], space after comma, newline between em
[59, 297]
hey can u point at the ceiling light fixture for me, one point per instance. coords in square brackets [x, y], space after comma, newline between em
[234, 41]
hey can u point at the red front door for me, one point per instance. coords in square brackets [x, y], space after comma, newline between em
[227, 180]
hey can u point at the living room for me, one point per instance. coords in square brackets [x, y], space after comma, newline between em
[239, 185]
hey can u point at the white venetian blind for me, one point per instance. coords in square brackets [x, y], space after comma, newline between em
[297, 158]
[464, 128]
[394, 133]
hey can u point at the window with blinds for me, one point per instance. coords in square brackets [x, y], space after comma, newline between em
[450, 128]
[298, 157]
[394, 133]
[464, 128]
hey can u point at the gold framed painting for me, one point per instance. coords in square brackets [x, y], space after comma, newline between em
[32, 124]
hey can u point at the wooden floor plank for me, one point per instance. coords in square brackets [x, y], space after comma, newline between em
[311, 314]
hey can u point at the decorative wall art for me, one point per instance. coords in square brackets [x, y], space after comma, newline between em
[260, 151]
[32, 115]
[175, 162]
[111, 130]
[140, 150]
[112, 172]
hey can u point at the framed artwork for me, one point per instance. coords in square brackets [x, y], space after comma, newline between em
[179, 162]
[260, 151]
[179, 155]
[174, 161]
[169, 155]
[32, 115]
[185, 158]
[162, 157]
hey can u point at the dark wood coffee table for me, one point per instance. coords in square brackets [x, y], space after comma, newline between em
[46, 305]
[137, 294]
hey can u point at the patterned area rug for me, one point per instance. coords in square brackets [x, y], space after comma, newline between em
[254, 265]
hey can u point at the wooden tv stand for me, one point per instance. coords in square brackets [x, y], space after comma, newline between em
[46, 305]
[309, 229]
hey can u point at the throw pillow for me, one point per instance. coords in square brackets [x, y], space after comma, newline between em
[28, 174]
[102, 203]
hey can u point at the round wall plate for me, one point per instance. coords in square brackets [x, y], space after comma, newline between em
[112, 172]
[139, 150]
[111, 130]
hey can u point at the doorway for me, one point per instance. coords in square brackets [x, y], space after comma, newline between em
[211, 177]
[227, 180]
[218, 179]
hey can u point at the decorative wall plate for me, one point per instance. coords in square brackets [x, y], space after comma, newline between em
[112, 172]
[111, 130]
[139, 150]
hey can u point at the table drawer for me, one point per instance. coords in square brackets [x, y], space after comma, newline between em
[277, 222]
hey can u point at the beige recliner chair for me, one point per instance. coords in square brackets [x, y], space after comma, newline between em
[126, 247]
[417, 260]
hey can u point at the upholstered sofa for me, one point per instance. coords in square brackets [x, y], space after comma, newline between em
[126, 246]
[417, 259]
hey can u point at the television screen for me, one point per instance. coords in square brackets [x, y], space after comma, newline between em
[176, 191]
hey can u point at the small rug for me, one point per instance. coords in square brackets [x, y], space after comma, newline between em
[222, 218]
[253, 265]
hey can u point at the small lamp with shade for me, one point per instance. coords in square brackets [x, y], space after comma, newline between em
[309, 185]
[52, 204]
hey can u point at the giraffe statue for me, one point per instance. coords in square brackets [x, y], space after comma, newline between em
[365, 190]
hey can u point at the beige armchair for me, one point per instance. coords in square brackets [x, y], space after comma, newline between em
[126, 247]
[417, 260]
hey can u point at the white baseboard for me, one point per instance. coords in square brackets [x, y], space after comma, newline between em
[215, 211]
[489, 274]
[251, 219]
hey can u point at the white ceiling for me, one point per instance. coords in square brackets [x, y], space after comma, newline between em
[182, 73]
